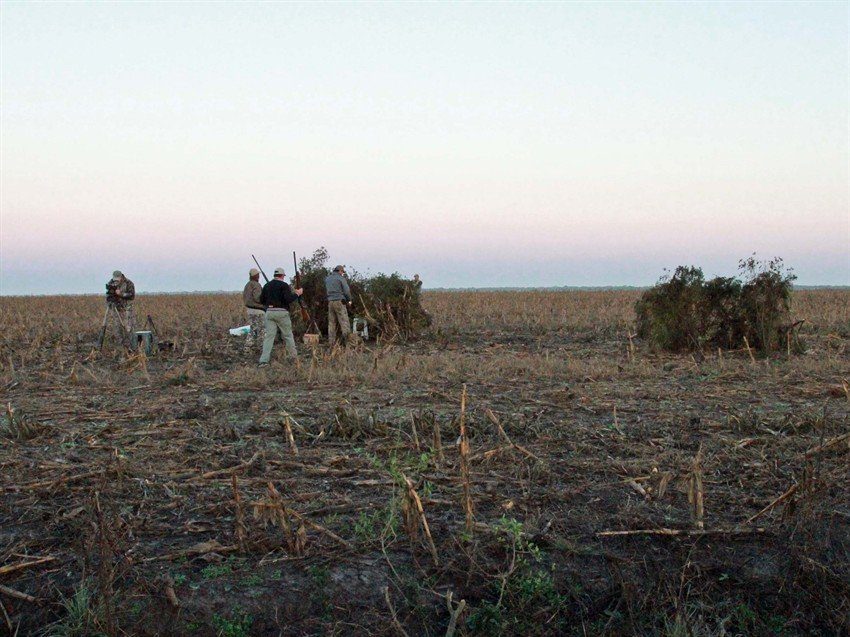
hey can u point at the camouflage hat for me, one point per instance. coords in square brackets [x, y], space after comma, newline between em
[279, 272]
[339, 268]
[253, 272]
[116, 276]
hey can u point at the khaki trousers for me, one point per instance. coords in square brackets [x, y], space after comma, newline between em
[338, 320]
[278, 320]
[257, 320]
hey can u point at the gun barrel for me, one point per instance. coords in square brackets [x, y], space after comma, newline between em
[260, 268]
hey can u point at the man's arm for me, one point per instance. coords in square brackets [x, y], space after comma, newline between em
[263, 296]
[288, 295]
[346, 291]
[130, 293]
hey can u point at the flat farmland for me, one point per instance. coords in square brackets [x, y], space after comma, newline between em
[525, 467]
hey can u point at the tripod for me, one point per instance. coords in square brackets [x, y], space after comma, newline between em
[112, 313]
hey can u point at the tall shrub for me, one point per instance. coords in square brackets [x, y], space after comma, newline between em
[670, 315]
[766, 301]
[390, 303]
[683, 311]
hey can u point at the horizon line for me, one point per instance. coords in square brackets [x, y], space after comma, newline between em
[507, 288]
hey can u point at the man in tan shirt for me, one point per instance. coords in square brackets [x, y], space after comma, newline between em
[254, 309]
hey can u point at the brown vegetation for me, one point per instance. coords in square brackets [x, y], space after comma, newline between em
[580, 484]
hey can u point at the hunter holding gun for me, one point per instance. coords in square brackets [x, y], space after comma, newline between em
[339, 298]
[276, 297]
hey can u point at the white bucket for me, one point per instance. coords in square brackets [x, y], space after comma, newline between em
[240, 331]
[361, 328]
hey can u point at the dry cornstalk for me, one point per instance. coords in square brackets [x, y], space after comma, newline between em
[221, 472]
[9, 626]
[11, 592]
[413, 432]
[414, 515]
[828, 444]
[662, 485]
[287, 425]
[687, 532]
[464, 463]
[240, 530]
[273, 512]
[55, 483]
[170, 595]
[396, 623]
[634, 485]
[11, 568]
[438, 445]
[320, 529]
[201, 548]
[781, 498]
[504, 436]
[749, 350]
[695, 490]
[454, 614]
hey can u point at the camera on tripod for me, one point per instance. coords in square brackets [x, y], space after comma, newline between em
[112, 295]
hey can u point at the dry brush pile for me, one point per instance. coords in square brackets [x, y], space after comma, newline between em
[686, 312]
[390, 304]
[527, 468]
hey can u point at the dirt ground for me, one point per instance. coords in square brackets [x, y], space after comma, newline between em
[563, 478]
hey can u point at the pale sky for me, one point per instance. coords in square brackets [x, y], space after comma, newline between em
[479, 144]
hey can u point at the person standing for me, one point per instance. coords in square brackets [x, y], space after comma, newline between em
[254, 309]
[339, 297]
[120, 292]
[276, 297]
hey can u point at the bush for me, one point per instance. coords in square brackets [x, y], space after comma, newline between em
[686, 312]
[390, 304]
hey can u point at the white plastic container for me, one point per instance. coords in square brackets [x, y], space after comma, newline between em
[361, 328]
[240, 331]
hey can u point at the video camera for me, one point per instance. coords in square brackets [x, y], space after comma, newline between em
[112, 293]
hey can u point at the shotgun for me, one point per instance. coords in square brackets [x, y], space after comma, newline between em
[260, 268]
[305, 315]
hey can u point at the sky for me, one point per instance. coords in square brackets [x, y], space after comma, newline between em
[477, 144]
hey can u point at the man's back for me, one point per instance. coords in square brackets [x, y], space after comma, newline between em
[277, 294]
[337, 288]
[251, 295]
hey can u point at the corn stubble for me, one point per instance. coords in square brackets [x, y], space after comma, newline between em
[528, 465]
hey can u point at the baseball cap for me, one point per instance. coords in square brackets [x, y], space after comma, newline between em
[279, 272]
[253, 272]
[116, 275]
[337, 268]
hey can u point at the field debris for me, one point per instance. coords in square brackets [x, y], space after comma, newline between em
[524, 466]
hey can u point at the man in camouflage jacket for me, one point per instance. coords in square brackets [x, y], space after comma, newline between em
[121, 294]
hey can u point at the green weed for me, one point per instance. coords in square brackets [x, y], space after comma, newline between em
[212, 571]
[238, 626]
[82, 615]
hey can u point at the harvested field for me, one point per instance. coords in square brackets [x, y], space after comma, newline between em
[525, 468]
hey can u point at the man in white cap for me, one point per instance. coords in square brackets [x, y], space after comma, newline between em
[254, 309]
[276, 297]
[121, 293]
[339, 298]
